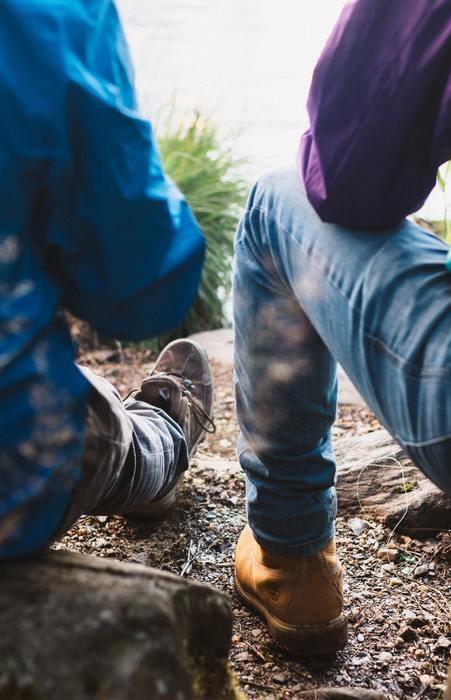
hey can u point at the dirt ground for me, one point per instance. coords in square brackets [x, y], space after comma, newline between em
[398, 611]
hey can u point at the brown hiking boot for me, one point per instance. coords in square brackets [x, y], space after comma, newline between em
[181, 384]
[301, 598]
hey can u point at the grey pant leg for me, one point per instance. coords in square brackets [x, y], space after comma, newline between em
[134, 453]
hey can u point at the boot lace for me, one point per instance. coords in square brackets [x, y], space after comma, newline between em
[187, 387]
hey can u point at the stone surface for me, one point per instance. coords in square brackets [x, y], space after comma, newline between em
[82, 628]
[375, 476]
[219, 346]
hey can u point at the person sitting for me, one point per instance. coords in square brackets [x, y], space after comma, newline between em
[329, 270]
[90, 223]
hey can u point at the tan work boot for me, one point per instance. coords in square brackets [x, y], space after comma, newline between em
[300, 597]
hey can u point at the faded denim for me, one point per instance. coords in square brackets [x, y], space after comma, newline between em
[306, 296]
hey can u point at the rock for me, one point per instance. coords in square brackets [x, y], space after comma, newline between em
[409, 614]
[358, 526]
[426, 679]
[360, 660]
[280, 678]
[393, 581]
[443, 643]
[374, 473]
[421, 570]
[388, 554]
[388, 568]
[385, 657]
[218, 465]
[82, 628]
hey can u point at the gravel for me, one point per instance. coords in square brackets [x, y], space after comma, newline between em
[397, 589]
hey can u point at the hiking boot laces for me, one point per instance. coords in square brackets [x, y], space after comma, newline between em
[187, 388]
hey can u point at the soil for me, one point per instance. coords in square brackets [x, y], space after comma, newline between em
[398, 611]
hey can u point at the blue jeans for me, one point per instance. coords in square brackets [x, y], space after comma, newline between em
[306, 296]
[134, 454]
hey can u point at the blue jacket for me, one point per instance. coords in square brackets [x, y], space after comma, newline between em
[88, 222]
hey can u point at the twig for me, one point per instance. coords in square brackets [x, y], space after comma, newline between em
[256, 652]
[225, 564]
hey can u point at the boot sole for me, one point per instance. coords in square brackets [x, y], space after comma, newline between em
[301, 640]
[206, 366]
[208, 408]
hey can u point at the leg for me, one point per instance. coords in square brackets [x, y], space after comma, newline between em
[286, 399]
[307, 292]
[134, 453]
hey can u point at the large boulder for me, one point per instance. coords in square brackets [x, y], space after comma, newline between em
[82, 628]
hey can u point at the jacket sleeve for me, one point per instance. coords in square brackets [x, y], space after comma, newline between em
[380, 112]
[123, 242]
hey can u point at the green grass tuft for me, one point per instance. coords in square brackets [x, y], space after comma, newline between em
[209, 176]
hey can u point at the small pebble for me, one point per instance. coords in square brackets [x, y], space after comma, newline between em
[409, 614]
[388, 567]
[443, 643]
[360, 660]
[421, 570]
[426, 680]
[357, 526]
[385, 657]
[280, 678]
[388, 554]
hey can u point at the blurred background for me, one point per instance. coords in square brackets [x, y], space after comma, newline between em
[226, 84]
[246, 65]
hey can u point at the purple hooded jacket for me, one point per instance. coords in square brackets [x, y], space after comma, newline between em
[380, 112]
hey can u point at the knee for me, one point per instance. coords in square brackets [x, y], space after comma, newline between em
[273, 186]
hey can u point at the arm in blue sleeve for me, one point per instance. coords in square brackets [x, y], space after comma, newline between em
[380, 112]
[125, 245]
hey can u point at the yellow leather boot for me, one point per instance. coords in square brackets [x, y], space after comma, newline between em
[301, 598]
